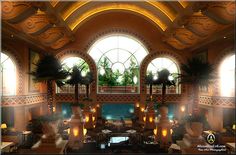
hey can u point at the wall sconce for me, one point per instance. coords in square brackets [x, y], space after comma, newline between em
[93, 118]
[142, 109]
[75, 132]
[150, 119]
[98, 105]
[164, 132]
[68, 131]
[84, 131]
[137, 105]
[54, 109]
[144, 118]
[3, 126]
[155, 131]
[182, 108]
[94, 126]
[86, 119]
[233, 127]
[94, 110]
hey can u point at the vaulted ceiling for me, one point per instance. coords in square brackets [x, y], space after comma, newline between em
[54, 23]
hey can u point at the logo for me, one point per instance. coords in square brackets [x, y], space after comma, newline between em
[210, 138]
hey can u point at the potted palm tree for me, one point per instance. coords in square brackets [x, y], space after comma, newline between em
[165, 79]
[49, 69]
[87, 80]
[197, 73]
[75, 79]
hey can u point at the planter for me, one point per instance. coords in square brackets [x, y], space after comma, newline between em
[164, 111]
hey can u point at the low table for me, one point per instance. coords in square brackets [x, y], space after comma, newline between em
[5, 146]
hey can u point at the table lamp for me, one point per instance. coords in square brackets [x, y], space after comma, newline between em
[3, 126]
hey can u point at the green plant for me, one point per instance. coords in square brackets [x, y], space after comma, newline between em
[49, 69]
[197, 73]
[164, 81]
[87, 80]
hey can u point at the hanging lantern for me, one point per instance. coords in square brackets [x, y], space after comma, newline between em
[164, 132]
[75, 131]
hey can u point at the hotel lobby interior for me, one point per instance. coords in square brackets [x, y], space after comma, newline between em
[117, 77]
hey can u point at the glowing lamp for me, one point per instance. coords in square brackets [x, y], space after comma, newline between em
[93, 118]
[234, 126]
[94, 110]
[182, 108]
[94, 126]
[150, 119]
[144, 119]
[84, 131]
[86, 119]
[3, 126]
[68, 131]
[53, 109]
[171, 131]
[142, 109]
[164, 132]
[75, 132]
[137, 105]
[155, 131]
[98, 105]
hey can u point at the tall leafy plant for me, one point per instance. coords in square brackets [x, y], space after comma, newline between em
[197, 73]
[164, 80]
[49, 69]
[87, 80]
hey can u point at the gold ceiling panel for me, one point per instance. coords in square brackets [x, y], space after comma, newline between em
[69, 11]
[54, 2]
[117, 6]
[183, 3]
[163, 8]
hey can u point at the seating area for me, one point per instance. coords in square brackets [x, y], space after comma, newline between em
[117, 77]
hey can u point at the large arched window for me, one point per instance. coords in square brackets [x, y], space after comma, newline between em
[118, 58]
[227, 76]
[8, 75]
[159, 64]
[68, 63]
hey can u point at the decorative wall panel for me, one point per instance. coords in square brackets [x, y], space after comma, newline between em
[23, 100]
[217, 101]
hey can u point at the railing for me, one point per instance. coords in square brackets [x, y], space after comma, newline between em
[169, 90]
[67, 89]
[118, 89]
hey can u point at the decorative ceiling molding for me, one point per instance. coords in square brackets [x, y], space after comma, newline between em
[175, 43]
[51, 35]
[185, 36]
[60, 42]
[222, 12]
[117, 6]
[14, 12]
[35, 24]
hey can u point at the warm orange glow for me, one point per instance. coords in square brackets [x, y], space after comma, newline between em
[84, 131]
[94, 110]
[68, 131]
[54, 109]
[94, 126]
[93, 118]
[155, 131]
[137, 105]
[98, 105]
[142, 109]
[75, 132]
[74, 24]
[3, 126]
[164, 132]
[183, 3]
[163, 8]
[182, 108]
[86, 119]
[171, 131]
[144, 118]
[150, 119]
[233, 127]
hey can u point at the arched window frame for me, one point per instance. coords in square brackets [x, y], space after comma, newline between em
[11, 83]
[138, 62]
[172, 89]
[227, 76]
[68, 89]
